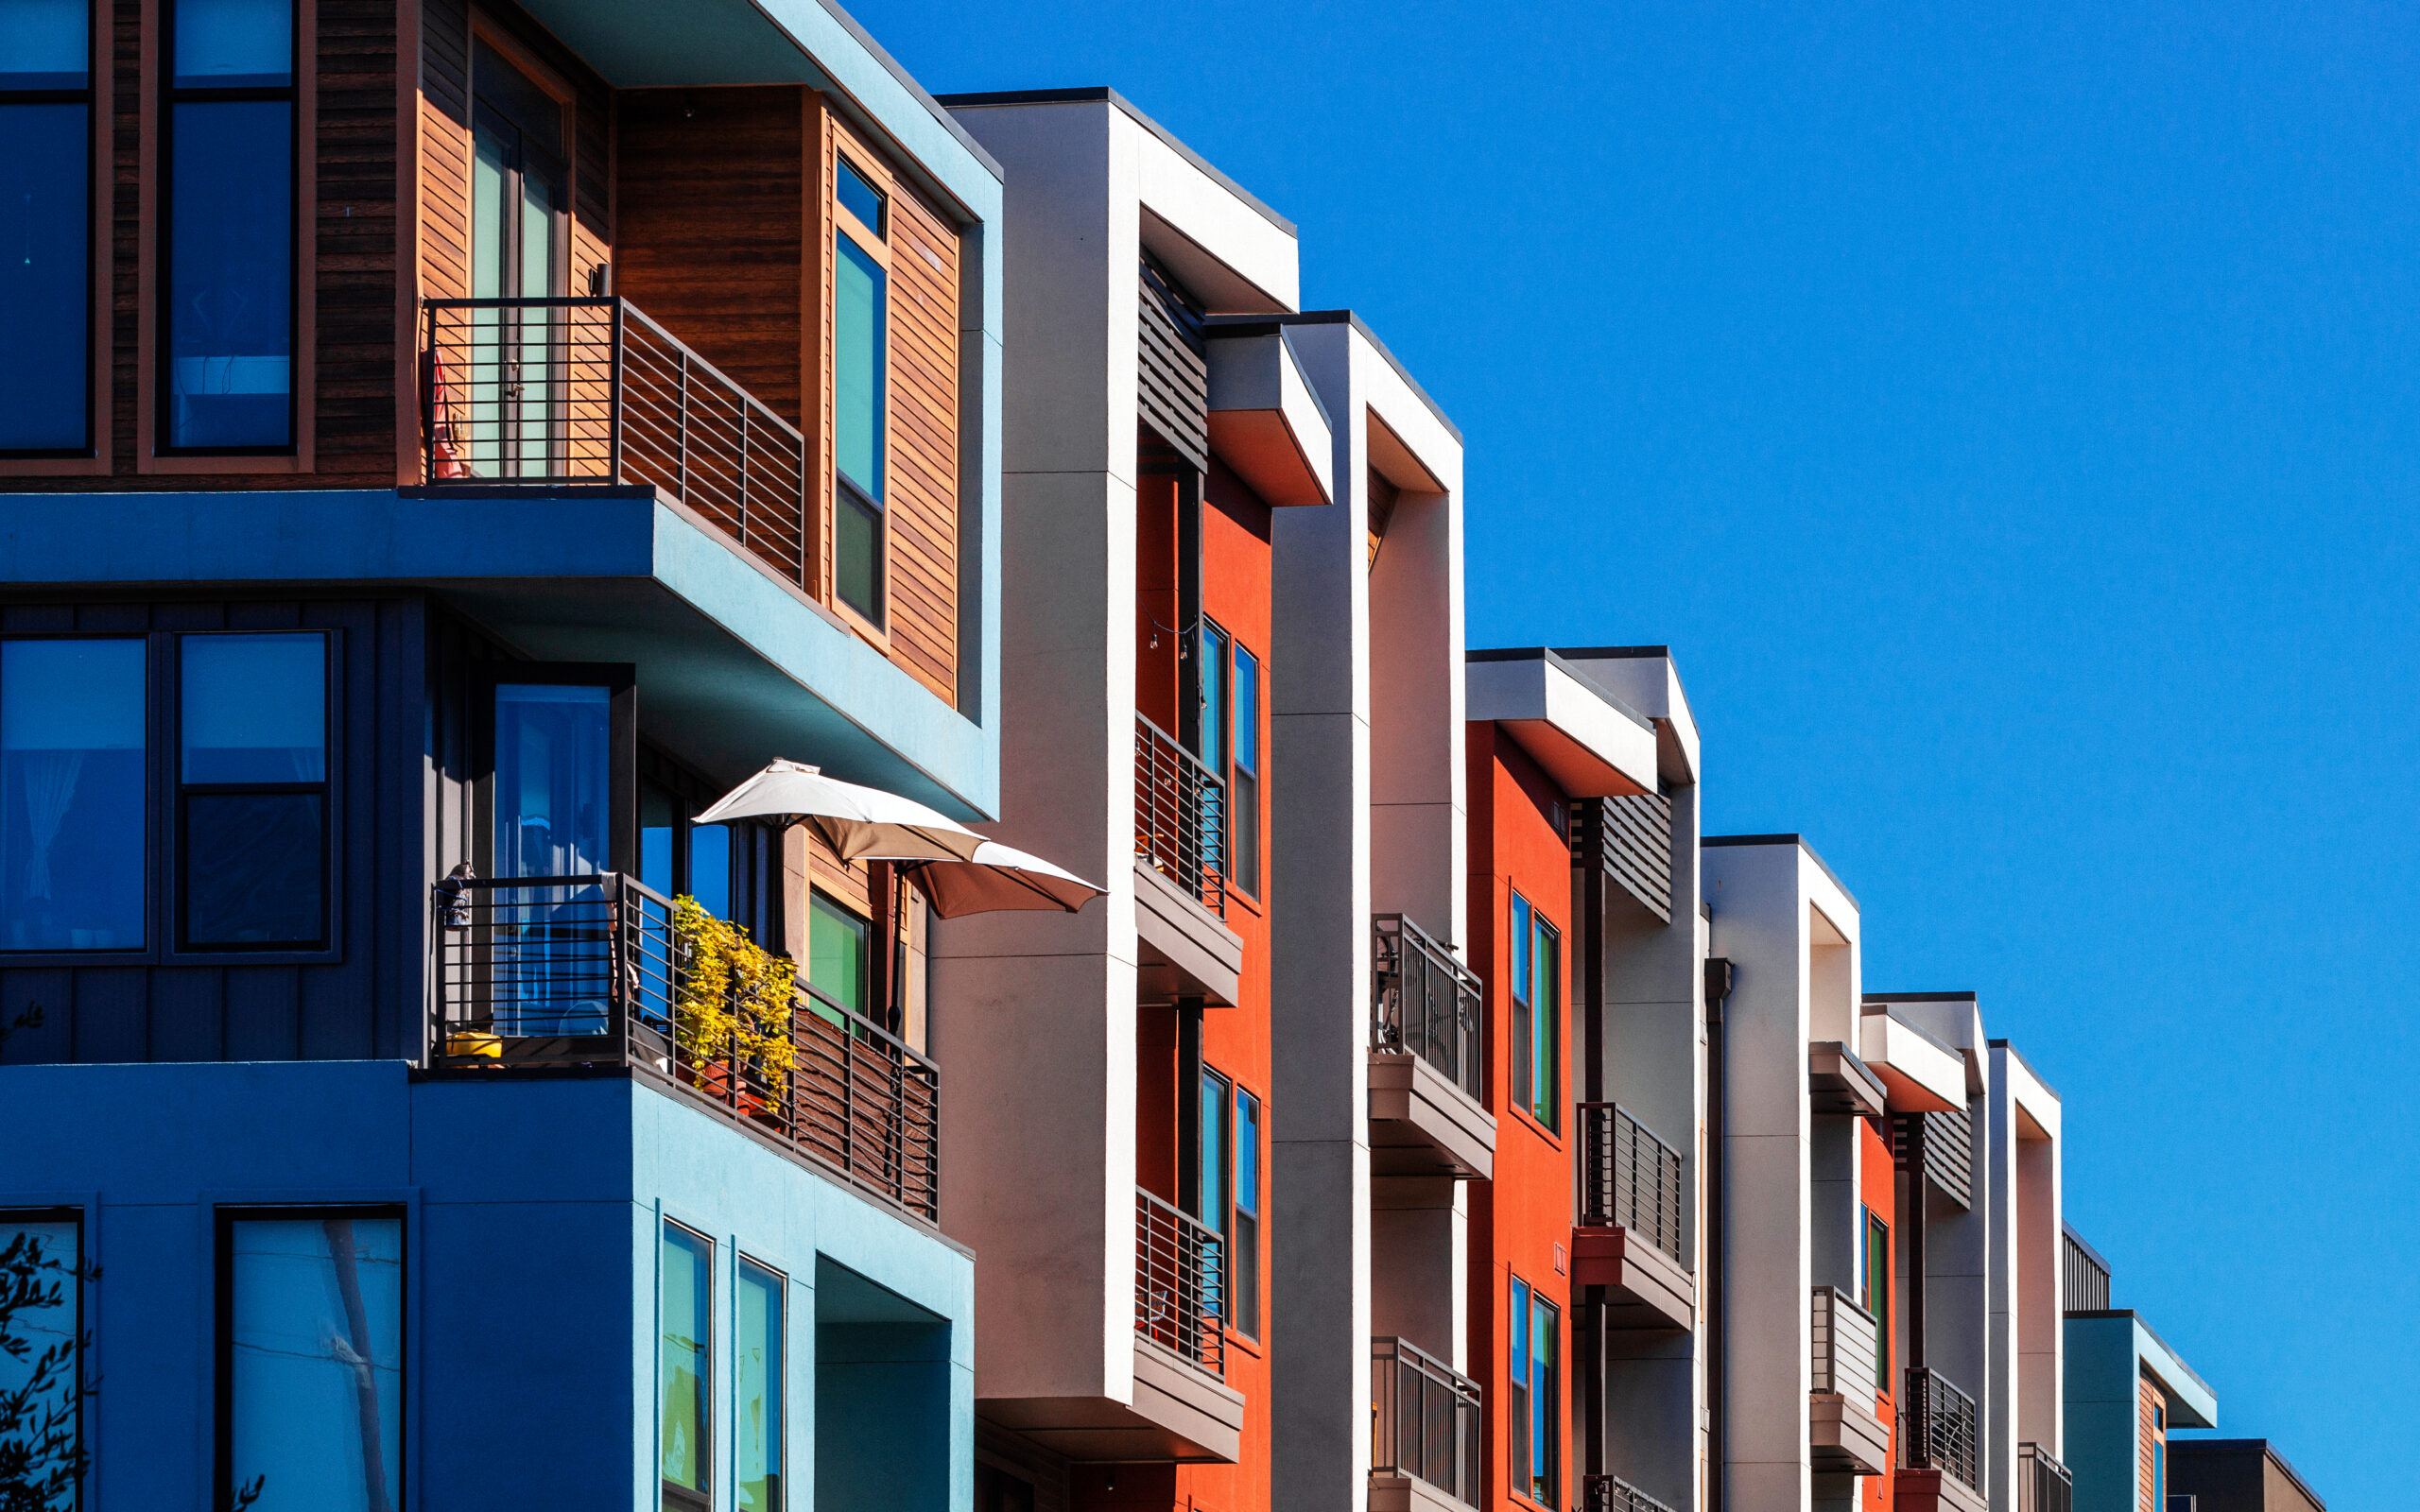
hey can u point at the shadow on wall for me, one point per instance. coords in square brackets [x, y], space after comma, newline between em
[881, 1397]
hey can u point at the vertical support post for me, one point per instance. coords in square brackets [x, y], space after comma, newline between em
[613, 336]
[681, 432]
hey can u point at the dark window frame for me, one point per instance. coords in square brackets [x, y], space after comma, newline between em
[162, 234]
[171, 847]
[98, 24]
[872, 243]
[621, 677]
[223, 1221]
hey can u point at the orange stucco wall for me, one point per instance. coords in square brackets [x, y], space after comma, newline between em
[1520, 1221]
[1877, 1188]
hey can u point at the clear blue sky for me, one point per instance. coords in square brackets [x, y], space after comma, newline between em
[2008, 417]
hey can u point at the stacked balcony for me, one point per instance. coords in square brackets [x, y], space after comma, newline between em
[1941, 1440]
[1846, 1434]
[1181, 874]
[1632, 1239]
[1428, 1112]
[1424, 1431]
[2043, 1484]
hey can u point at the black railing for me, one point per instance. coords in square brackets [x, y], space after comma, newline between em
[1424, 1419]
[1180, 1283]
[1610, 1493]
[1425, 1002]
[587, 974]
[1180, 816]
[1630, 1179]
[1938, 1427]
[550, 391]
[2043, 1484]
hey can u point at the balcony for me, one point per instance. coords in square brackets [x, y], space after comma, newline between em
[1632, 1239]
[572, 975]
[1428, 1110]
[2043, 1484]
[1424, 1431]
[1179, 873]
[1845, 1433]
[1940, 1444]
[1610, 1493]
[1186, 1411]
[553, 393]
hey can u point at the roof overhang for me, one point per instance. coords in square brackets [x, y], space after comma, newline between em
[1922, 1076]
[1265, 422]
[1589, 742]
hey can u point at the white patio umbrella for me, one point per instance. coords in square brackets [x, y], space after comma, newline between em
[857, 821]
[997, 878]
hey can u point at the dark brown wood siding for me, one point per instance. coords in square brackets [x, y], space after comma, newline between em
[924, 434]
[1173, 377]
[1638, 849]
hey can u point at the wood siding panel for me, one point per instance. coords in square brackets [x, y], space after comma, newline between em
[445, 151]
[712, 205]
[924, 428]
[1173, 390]
[1638, 849]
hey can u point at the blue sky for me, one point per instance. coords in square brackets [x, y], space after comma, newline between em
[2007, 416]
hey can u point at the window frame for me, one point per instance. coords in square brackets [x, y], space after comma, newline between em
[841, 145]
[99, 97]
[169, 762]
[151, 454]
[622, 843]
[223, 1221]
[1245, 1099]
[1545, 1004]
[1876, 1244]
[75, 1282]
[153, 949]
[777, 1283]
[668, 1495]
[1237, 655]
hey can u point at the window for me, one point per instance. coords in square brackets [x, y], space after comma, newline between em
[1535, 1403]
[311, 1358]
[227, 234]
[72, 794]
[519, 193]
[2159, 1457]
[837, 967]
[1210, 699]
[678, 858]
[252, 791]
[860, 411]
[1247, 1240]
[1537, 1013]
[685, 1369]
[553, 779]
[1245, 785]
[47, 227]
[48, 1244]
[1210, 1186]
[1878, 1294]
[756, 1391]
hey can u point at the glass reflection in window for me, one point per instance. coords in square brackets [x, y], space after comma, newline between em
[71, 795]
[45, 225]
[553, 779]
[253, 768]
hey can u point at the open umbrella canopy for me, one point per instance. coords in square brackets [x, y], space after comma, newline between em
[855, 820]
[1000, 877]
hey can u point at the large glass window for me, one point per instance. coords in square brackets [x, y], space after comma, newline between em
[1246, 1265]
[1877, 1293]
[227, 288]
[44, 1366]
[860, 315]
[72, 794]
[519, 197]
[45, 225]
[1210, 1186]
[1546, 1019]
[837, 966]
[1534, 1402]
[1524, 1033]
[677, 857]
[554, 779]
[252, 795]
[311, 1359]
[757, 1389]
[685, 1371]
[1244, 805]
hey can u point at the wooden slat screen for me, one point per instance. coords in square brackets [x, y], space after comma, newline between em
[924, 432]
[1945, 1143]
[1173, 376]
[1638, 849]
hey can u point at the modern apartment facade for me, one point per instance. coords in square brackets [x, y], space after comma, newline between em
[2126, 1392]
[494, 434]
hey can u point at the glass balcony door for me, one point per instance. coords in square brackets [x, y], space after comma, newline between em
[518, 200]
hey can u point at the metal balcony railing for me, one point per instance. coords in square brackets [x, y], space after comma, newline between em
[1424, 1419]
[584, 973]
[1938, 1427]
[550, 391]
[1180, 1283]
[1610, 1493]
[2043, 1484]
[1844, 1339]
[1180, 816]
[1629, 1178]
[1425, 1002]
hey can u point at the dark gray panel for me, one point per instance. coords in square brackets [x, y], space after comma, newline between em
[111, 1022]
[24, 995]
[187, 1023]
[261, 1013]
[1173, 378]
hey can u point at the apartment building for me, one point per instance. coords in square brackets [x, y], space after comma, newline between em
[495, 431]
[2235, 1475]
[2126, 1392]
[1111, 1160]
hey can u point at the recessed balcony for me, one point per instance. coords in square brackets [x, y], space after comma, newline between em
[1428, 1110]
[1632, 1239]
[590, 974]
[1425, 1431]
[1610, 1493]
[1181, 874]
[1845, 1433]
[1940, 1445]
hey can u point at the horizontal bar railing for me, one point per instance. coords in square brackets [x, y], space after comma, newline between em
[1424, 1419]
[1180, 1283]
[560, 390]
[587, 973]
[2043, 1484]
[1630, 1178]
[1844, 1342]
[1425, 1002]
[1610, 1493]
[1180, 816]
[1939, 1428]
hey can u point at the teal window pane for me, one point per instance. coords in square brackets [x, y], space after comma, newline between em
[685, 1377]
[756, 1390]
[858, 320]
[1212, 677]
[46, 44]
[1247, 733]
[72, 794]
[862, 199]
[836, 953]
[315, 1362]
[710, 868]
[1520, 948]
